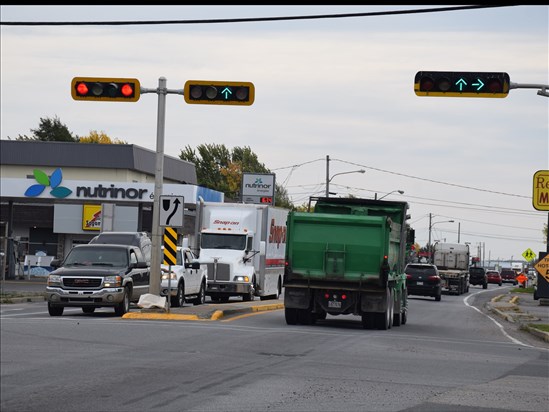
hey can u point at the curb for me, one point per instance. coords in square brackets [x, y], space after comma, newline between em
[159, 314]
[515, 317]
[24, 299]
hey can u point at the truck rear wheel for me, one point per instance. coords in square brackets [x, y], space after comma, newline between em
[291, 316]
[368, 320]
[201, 298]
[178, 300]
[306, 317]
[384, 319]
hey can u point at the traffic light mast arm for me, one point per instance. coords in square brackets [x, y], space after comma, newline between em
[168, 91]
[542, 92]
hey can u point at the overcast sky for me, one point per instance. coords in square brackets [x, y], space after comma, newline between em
[337, 87]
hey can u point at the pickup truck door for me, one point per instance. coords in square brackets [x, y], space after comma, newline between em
[140, 276]
[192, 283]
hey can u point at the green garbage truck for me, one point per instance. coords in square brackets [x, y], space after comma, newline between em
[346, 256]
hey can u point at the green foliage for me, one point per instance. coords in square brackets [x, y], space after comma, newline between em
[221, 169]
[50, 130]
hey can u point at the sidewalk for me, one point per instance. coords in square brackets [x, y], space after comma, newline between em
[522, 309]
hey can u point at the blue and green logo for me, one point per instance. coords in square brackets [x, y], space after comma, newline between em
[44, 181]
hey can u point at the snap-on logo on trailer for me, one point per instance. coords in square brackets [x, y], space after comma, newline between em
[44, 181]
[277, 234]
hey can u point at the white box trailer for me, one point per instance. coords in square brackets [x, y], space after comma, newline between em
[243, 246]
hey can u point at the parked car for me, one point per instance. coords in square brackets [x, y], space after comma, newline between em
[477, 276]
[508, 276]
[423, 279]
[494, 277]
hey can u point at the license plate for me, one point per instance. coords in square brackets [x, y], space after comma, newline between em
[334, 304]
[419, 283]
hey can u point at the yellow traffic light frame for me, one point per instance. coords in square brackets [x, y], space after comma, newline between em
[116, 80]
[217, 84]
[454, 78]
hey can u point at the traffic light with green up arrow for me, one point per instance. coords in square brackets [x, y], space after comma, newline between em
[462, 84]
[219, 92]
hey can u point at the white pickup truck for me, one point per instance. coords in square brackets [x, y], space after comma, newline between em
[185, 281]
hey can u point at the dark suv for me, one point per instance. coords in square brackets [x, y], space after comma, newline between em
[508, 276]
[423, 279]
[477, 276]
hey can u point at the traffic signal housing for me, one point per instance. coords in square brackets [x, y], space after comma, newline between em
[219, 92]
[462, 84]
[105, 89]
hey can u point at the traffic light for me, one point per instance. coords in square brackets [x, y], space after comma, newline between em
[105, 89]
[214, 92]
[462, 84]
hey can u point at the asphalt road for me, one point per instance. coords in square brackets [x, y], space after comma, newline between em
[448, 357]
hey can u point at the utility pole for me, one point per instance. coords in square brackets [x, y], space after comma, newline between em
[327, 176]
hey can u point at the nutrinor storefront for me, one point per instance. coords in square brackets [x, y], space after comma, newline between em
[50, 201]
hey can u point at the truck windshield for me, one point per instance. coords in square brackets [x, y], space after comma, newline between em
[223, 241]
[99, 257]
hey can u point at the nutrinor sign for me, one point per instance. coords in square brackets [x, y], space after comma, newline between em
[99, 191]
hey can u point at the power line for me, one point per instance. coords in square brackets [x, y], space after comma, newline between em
[244, 20]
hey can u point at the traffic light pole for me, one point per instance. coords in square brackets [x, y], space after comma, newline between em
[156, 233]
[542, 92]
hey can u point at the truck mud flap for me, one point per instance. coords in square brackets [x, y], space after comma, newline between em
[373, 302]
[297, 298]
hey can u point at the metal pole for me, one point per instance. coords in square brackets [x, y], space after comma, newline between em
[156, 258]
[459, 229]
[327, 176]
[429, 244]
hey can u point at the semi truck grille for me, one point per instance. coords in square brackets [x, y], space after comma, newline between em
[82, 282]
[221, 271]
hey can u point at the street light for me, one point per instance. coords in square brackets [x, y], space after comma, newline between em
[342, 173]
[431, 224]
[399, 191]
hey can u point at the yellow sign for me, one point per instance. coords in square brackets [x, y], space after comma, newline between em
[543, 267]
[91, 217]
[529, 254]
[170, 246]
[540, 196]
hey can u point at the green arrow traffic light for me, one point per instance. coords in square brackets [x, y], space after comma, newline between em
[461, 84]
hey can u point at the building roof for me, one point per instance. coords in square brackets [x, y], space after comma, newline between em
[93, 155]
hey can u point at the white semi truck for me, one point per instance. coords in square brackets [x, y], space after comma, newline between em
[243, 246]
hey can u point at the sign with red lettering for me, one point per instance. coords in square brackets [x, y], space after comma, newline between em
[540, 196]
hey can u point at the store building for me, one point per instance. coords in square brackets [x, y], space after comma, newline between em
[54, 195]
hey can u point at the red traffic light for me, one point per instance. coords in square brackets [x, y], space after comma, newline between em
[105, 89]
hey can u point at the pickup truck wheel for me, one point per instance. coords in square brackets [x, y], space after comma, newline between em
[124, 306]
[88, 309]
[178, 300]
[55, 310]
[438, 296]
[201, 298]
[485, 286]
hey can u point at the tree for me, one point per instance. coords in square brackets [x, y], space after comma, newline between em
[221, 169]
[50, 130]
[100, 138]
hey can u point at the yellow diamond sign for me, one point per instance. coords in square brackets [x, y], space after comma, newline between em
[529, 254]
[543, 267]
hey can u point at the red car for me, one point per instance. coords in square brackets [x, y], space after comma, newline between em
[494, 277]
